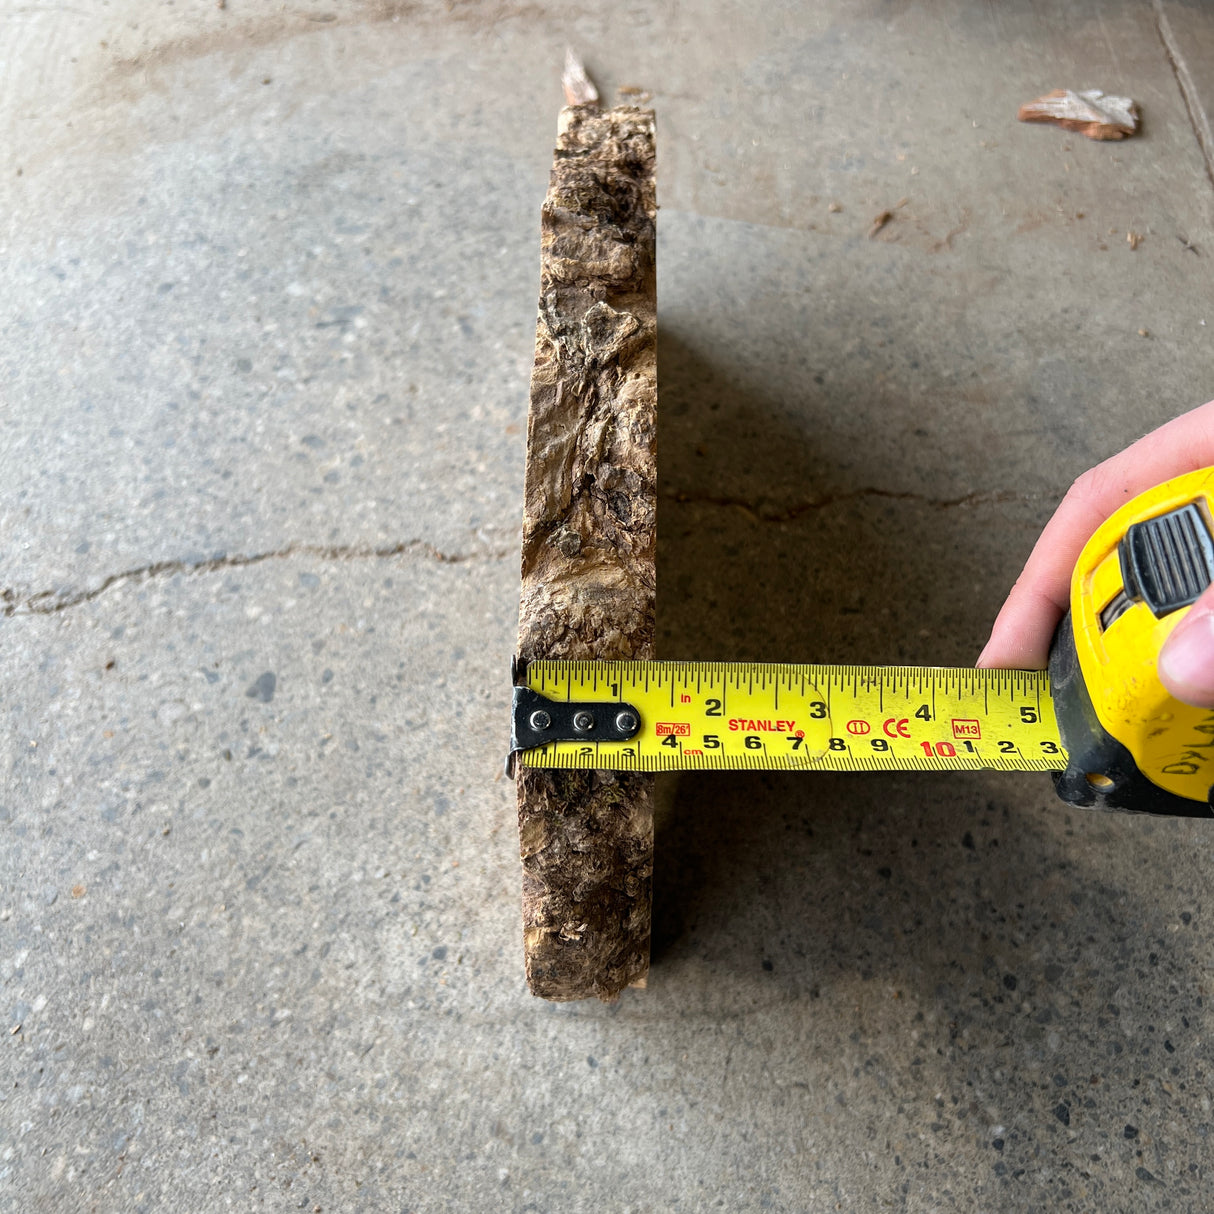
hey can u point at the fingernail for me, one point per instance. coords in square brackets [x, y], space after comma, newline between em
[1186, 661]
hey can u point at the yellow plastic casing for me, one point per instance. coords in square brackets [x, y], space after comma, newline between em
[1171, 742]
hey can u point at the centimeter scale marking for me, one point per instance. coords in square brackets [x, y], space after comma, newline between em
[739, 715]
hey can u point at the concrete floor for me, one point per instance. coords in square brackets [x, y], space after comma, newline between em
[267, 296]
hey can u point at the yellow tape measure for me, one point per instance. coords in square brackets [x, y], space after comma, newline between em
[699, 716]
[1101, 720]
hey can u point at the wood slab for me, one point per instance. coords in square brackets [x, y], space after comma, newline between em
[589, 542]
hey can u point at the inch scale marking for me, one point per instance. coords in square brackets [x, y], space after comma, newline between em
[739, 715]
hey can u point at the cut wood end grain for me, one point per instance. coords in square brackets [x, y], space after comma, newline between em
[1093, 113]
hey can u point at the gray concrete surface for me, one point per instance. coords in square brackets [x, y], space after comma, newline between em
[268, 293]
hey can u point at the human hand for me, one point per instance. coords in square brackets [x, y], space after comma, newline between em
[1024, 628]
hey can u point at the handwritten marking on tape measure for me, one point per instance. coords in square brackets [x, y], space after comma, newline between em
[715, 715]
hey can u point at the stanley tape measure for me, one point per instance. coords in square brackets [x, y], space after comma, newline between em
[1100, 720]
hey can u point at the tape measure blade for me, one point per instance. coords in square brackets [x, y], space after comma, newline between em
[784, 716]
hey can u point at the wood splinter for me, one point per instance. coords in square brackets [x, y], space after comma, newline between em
[589, 540]
[1091, 112]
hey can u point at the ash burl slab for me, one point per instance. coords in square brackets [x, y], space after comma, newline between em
[589, 542]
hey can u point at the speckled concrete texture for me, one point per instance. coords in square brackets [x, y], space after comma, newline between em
[267, 291]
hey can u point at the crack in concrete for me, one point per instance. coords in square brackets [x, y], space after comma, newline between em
[48, 602]
[787, 514]
[1198, 118]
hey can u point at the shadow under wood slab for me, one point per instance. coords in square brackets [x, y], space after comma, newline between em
[589, 542]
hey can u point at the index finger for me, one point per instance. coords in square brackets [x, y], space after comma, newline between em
[1025, 625]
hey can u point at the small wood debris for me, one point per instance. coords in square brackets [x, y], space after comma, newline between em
[1091, 112]
[14, 1030]
[1144, 332]
[1133, 239]
[879, 222]
[834, 208]
[635, 93]
[579, 88]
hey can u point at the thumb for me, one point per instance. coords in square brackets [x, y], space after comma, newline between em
[1186, 661]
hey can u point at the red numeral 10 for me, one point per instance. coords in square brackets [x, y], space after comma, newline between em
[943, 750]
